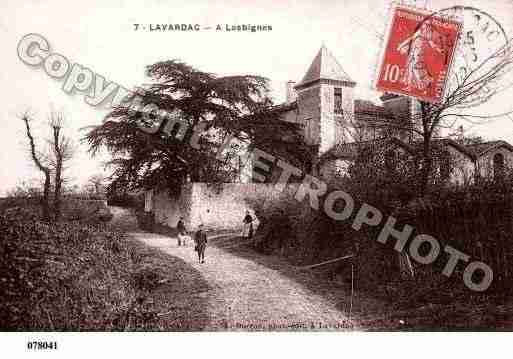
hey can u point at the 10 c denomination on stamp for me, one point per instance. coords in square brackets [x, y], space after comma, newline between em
[417, 55]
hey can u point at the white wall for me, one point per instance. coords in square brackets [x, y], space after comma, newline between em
[168, 209]
[220, 206]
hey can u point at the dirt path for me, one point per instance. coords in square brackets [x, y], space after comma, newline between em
[239, 289]
[247, 295]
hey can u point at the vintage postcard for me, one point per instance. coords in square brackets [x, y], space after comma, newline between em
[273, 167]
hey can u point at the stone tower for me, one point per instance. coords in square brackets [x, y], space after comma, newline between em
[325, 102]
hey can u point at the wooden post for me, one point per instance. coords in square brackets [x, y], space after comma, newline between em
[352, 291]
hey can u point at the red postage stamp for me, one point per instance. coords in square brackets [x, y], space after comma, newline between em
[418, 53]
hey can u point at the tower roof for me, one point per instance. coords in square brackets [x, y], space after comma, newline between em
[325, 67]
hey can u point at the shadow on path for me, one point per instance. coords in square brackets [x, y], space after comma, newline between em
[176, 290]
[170, 286]
[337, 292]
[251, 292]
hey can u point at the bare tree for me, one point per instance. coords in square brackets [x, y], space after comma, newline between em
[478, 86]
[38, 160]
[51, 161]
[63, 151]
[97, 182]
[471, 85]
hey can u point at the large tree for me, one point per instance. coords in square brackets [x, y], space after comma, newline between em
[224, 107]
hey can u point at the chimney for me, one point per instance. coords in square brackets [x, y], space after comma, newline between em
[290, 93]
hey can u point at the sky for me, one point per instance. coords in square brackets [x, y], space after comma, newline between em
[100, 35]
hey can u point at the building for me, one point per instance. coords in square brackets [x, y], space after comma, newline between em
[336, 126]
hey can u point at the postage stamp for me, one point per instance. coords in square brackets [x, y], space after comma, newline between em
[417, 55]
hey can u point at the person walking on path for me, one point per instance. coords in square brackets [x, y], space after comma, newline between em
[247, 229]
[182, 232]
[200, 238]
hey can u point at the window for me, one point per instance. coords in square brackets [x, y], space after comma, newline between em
[307, 130]
[498, 166]
[338, 101]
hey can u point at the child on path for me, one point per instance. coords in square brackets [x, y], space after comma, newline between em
[200, 238]
[247, 229]
[182, 232]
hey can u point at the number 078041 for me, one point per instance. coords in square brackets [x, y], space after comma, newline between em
[41, 345]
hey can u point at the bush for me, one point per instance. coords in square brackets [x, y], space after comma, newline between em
[90, 211]
[72, 208]
[296, 231]
[10, 202]
[126, 200]
[67, 276]
[477, 220]
[86, 196]
[145, 220]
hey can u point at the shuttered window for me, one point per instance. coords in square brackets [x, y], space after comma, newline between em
[338, 101]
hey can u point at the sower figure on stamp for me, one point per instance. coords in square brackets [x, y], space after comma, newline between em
[200, 238]
[417, 74]
[182, 232]
[247, 229]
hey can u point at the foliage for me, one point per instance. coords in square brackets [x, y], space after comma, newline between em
[474, 218]
[62, 276]
[376, 177]
[227, 106]
[145, 220]
[296, 231]
[476, 83]
[88, 211]
[85, 196]
[70, 276]
[96, 185]
[26, 189]
[74, 208]
[126, 200]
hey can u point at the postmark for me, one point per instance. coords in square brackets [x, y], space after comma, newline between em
[484, 44]
[417, 54]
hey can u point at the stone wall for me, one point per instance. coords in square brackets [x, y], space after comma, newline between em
[309, 104]
[167, 209]
[218, 206]
[335, 128]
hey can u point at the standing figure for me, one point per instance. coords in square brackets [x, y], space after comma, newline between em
[247, 229]
[417, 75]
[182, 232]
[200, 238]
